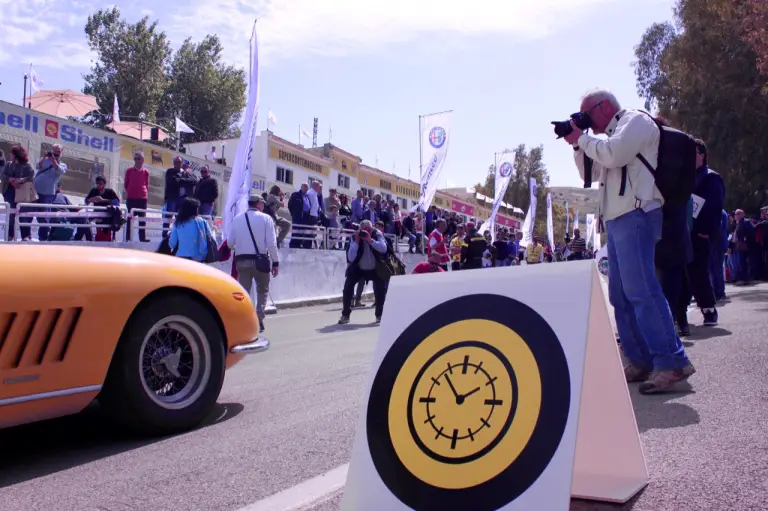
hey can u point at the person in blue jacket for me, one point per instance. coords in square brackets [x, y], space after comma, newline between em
[189, 232]
[708, 196]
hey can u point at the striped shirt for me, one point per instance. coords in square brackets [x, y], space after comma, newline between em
[578, 244]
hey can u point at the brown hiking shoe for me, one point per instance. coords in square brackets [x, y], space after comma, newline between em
[635, 374]
[661, 381]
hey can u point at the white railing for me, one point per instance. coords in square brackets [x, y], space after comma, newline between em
[5, 220]
[75, 217]
[157, 221]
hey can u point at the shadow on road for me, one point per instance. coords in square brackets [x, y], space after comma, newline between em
[654, 411]
[752, 295]
[43, 448]
[329, 329]
[589, 505]
[701, 333]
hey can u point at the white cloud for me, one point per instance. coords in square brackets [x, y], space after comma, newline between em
[341, 27]
[40, 31]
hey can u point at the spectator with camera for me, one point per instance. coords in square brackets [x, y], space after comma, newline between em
[630, 205]
[367, 246]
[50, 168]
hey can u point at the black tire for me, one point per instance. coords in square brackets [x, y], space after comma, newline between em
[127, 395]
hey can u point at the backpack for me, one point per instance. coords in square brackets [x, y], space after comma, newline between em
[675, 171]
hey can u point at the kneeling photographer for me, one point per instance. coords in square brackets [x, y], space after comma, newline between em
[632, 176]
[364, 252]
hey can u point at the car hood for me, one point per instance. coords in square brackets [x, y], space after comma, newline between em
[41, 265]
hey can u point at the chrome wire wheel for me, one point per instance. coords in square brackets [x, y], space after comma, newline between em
[175, 362]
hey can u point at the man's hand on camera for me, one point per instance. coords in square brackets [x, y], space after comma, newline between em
[575, 134]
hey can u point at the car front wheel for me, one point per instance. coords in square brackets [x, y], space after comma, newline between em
[168, 368]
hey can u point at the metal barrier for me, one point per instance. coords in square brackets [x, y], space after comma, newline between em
[156, 222]
[307, 236]
[29, 215]
[5, 220]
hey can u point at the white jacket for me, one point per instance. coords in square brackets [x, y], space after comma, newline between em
[629, 133]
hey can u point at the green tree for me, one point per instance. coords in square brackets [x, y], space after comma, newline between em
[528, 163]
[754, 21]
[704, 77]
[130, 62]
[203, 91]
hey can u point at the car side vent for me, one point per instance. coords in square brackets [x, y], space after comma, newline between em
[32, 338]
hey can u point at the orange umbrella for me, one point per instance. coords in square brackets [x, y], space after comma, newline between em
[134, 130]
[63, 103]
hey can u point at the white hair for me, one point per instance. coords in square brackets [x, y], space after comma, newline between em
[138, 154]
[601, 95]
[366, 223]
[58, 146]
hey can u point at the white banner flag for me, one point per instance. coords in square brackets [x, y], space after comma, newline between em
[36, 82]
[435, 135]
[504, 171]
[576, 221]
[529, 217]
[597, 243]
[590, 228]
[181, 127]
[550, 226]
[241, 180]
[115, 112]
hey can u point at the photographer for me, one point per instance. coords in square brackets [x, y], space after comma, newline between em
[630, 204]
[362, 266]
[50, 168]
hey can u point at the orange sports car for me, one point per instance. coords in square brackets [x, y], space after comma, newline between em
[149, 336]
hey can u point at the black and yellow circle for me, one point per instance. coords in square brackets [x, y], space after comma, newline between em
[469, 405]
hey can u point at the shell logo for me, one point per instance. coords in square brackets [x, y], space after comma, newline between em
[51, 129]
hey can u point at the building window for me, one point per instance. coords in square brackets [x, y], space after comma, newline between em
[386, 185]
[403, 203]
[343, 181]
[438, 201]
[388, 197]
[283, 175]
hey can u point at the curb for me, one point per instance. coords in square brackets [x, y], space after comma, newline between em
[312, 301]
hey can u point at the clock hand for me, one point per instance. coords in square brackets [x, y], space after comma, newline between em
[453, 389]
[470, 393]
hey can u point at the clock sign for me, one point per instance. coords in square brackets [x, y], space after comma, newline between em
[460, 407]
[469, 405]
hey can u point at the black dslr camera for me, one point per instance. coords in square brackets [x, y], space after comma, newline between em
[580, 119]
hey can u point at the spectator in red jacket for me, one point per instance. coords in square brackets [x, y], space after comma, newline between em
[136, 192]
[431, 266]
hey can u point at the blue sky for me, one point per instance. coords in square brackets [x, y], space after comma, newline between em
[369, 68]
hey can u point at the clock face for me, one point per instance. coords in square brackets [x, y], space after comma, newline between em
[462, 401]
[468, 405]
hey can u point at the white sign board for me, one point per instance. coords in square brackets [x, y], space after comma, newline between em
[477, 391]
[698, 204]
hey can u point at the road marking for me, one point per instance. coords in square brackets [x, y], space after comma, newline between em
[303, 494]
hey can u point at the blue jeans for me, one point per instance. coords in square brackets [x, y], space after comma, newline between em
[717, 271]
[740, 268]
[42, 232]
[643, 318]
[413, 239]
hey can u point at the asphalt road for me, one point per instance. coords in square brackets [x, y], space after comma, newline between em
[289, 415]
